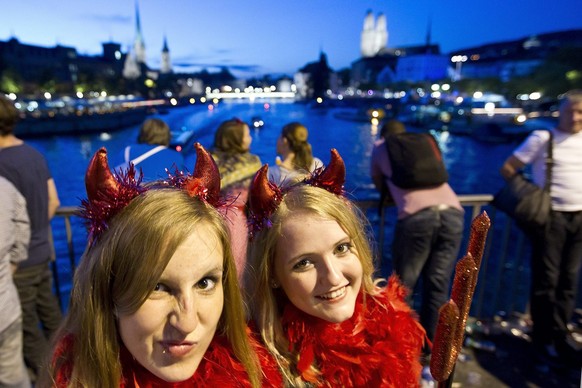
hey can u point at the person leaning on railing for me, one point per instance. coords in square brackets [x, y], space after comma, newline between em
[428, 233]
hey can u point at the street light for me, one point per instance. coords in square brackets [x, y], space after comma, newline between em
[458, 60]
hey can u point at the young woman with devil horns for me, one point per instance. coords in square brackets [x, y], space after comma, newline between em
[155, 299]
[312, 293]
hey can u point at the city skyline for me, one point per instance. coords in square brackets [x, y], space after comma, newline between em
[254, 37]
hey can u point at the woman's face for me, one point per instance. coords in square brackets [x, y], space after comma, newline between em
[170, 332]
[317, 267]
[247, 139]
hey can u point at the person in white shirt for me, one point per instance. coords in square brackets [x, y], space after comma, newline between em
[557, 247]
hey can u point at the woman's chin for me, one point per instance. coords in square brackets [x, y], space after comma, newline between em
[177, 372]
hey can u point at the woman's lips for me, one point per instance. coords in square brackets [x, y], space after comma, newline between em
[334, 295]
[177, 349]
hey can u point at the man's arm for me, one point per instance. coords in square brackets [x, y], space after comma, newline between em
[511, 167]
[53, 198]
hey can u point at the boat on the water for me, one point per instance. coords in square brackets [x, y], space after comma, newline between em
[80, 123]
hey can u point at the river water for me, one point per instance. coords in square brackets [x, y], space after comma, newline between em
[473, 166]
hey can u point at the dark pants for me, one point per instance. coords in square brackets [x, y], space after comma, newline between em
[556, 259]
[41, 314]
[427, 244]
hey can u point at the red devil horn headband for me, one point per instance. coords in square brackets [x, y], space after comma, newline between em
[333, 177]
[265, 196]
[99, 180]
[107, 194]
[205, 183]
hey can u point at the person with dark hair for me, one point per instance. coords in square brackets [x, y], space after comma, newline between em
[557, 246]
[297, 158]
[429, 230]
[231, 151]
[15, 232]
[152, 154]
[27, 170]
[392, 127]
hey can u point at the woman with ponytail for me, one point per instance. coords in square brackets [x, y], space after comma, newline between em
[296, 157]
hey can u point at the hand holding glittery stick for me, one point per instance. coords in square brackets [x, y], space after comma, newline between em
[451, 325]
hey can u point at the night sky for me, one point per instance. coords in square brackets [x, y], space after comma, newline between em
[259, 36]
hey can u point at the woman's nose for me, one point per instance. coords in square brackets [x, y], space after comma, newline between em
[331, 271]
[185, 315]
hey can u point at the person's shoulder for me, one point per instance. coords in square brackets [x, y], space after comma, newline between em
[28, 147]
[25, 149]
[542, 134]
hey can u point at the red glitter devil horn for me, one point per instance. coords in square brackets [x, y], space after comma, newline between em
[99, 181]
[333, 177]
[264, 198]
[205, 183]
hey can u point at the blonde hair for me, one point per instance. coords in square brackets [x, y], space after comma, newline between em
[154, 131]
[263, 300]
[296, 135]
[229, 137]
[118, 273]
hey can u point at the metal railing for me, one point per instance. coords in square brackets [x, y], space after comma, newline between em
[503, 279]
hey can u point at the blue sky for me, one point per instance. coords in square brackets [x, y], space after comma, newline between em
[274, 36]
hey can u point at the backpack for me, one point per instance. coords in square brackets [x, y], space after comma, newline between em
[416, 161]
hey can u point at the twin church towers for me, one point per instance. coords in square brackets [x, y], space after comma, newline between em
[374, 36]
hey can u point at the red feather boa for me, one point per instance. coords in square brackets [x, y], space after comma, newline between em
[218, 368]
[379, 346]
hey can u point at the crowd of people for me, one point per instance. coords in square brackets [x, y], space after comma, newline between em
[248, 275]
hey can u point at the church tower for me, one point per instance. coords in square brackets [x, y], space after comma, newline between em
[166, 65]
[381, 37]
[131, 69]
[367, 37]
[138, 45]
[374, 36]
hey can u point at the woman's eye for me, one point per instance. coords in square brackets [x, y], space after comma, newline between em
[343, 248]
[207, 284]
[302, 264]
[160, 287]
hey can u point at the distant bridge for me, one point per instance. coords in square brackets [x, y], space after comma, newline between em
[249, 95]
